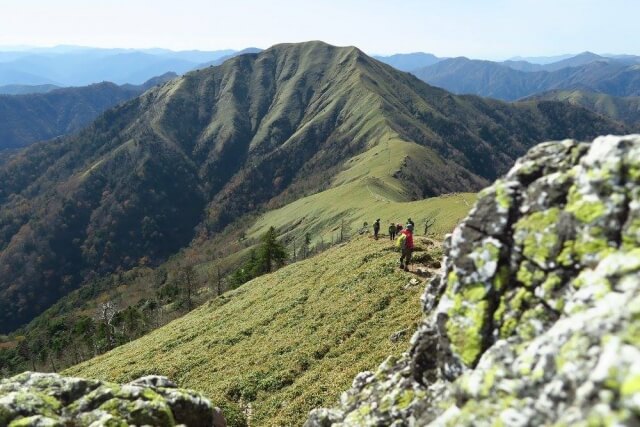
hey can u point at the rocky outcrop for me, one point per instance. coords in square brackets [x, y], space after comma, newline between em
[37, 399]
[535, 319]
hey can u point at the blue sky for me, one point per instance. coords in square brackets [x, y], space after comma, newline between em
[490, 29]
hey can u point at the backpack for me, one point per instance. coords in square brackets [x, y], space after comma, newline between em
[401, 241]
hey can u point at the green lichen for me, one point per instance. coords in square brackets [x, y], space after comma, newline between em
[529, 275]
[488, 381]
[405, 399]
[586, 211]
[552, 282]
[572, 350]
[38, 420]
[502, 278]
[566, 256]
[359, 416]
[502, 195]
[508, 327]
[386, 403]
[538, 236]
[631, 234]
[465, 326]
[630, 386]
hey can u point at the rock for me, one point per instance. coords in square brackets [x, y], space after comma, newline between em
[422, 271]
[535, 319]
[397, 336]
[414, 282]
[154, 381]
[37, 399]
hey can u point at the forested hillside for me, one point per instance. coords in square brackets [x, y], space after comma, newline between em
[25, 119]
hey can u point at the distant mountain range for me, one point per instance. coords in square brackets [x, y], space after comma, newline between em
[496, 80]
[78, 66]
[409, 61]
[26, 89]
[25, 119]
[280, 129]
[229, 56]
[37, 70]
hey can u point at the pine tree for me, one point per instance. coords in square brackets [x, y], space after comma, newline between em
[272, 254]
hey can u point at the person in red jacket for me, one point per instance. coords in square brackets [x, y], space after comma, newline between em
[407, 248]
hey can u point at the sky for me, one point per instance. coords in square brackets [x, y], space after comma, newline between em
[491, 29]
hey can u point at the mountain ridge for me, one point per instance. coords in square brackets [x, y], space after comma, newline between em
[496, 80]
[255, 133]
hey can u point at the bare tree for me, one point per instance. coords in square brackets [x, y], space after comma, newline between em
[430, 220]
[106, 313]
[215, 279]
[428, 223]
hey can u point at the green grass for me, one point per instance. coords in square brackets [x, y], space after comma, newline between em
[288, 341]
[364, 191]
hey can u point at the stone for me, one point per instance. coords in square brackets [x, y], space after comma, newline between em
[397, 336]
[38, 399]
[535, 319]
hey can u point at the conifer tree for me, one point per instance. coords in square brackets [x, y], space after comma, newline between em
[272, 253]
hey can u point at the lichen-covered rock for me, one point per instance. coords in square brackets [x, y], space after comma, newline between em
[535, 319]
[37, 399]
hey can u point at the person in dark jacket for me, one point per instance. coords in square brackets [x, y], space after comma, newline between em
[392, 231]
[407, 248]
[376, 228]
[410, 221]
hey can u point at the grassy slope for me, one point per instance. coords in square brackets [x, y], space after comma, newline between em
[367, 189]
[291, 340]
[359, 200]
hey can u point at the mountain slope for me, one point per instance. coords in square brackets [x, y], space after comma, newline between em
[25, 119]
[486, 78]
[624, 109]
[258, 132]
[287, 341]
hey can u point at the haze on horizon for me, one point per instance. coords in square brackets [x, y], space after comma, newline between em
[491, 29]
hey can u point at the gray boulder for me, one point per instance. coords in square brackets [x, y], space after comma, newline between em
[536, 317]
[38, 399]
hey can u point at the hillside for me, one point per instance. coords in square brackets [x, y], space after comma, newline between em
[145, 298]
[496, 80]
[229, 142]
[623, 109]
[312, 326]
[25, 119]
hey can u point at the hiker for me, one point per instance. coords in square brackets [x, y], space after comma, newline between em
[405, 243]
[398, 229]
[376, 228]
[392, 232]
[410, 221]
